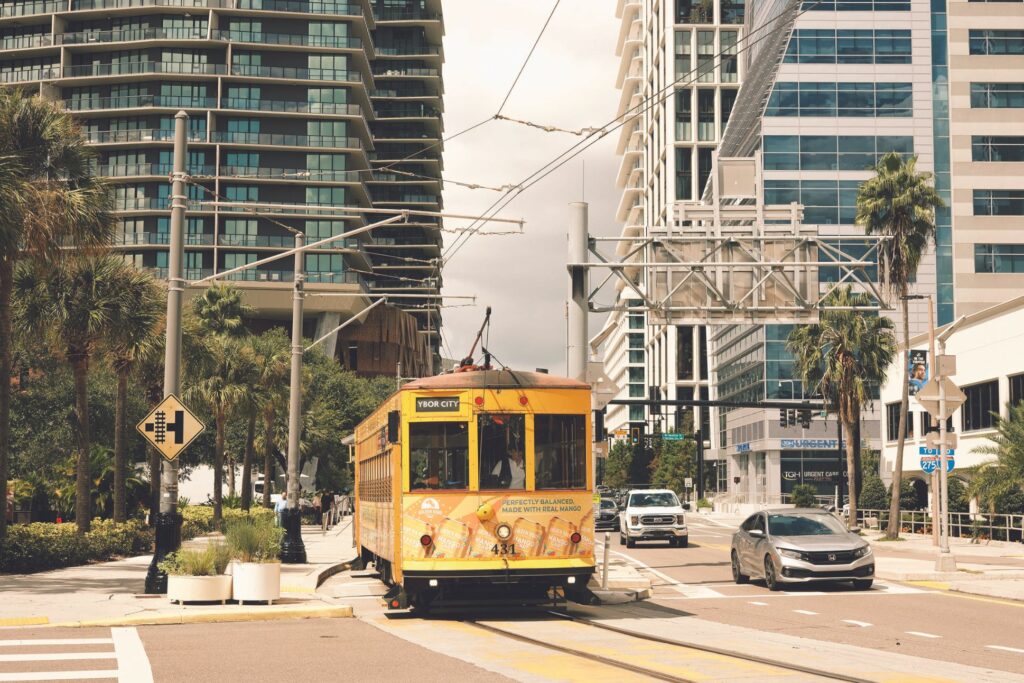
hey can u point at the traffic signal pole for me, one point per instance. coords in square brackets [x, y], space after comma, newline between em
[167, 524]
[293, 550]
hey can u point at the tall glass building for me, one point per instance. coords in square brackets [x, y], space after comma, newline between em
[299, 103]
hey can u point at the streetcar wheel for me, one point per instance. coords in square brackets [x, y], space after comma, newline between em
[737, 575]
[770, 579]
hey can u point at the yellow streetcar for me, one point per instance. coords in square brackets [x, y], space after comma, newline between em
[477, 485]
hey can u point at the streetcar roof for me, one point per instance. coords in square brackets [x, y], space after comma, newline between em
[494, 379]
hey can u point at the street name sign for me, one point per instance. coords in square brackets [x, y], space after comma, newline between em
[928, 396]
[930, 459]
[672, 436]
[170, 427]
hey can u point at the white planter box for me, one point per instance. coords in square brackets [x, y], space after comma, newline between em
[198, 588]
[256, 581]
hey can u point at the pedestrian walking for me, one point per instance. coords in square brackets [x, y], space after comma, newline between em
[326, 510]
[279, 508]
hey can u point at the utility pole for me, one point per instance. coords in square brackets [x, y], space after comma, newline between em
[576, 344]
[168, 521]
[935, 476]
[945, 562]
[293, 550]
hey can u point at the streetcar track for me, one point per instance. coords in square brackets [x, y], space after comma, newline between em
[831, 675]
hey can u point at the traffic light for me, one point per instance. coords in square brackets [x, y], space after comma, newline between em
[791, 416]
[805, 418]
[635, 434]
[783, 418]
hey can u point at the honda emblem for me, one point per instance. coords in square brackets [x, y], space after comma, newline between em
[831, 557]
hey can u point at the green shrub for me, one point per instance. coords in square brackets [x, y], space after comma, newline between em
[42, 546]
[209, 561]
[873, 497]
[703, 503]
[254, 539]
[803, 496]
[198, 519]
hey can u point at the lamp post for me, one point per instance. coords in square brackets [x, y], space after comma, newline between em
[936, 503]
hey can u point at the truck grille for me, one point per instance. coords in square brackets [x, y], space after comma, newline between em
[835, 557]
[657, 519]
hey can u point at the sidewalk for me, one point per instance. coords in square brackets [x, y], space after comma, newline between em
[111, 593]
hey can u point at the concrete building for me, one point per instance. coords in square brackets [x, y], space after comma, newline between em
[677, 97]
[291, 102]
[989, 370]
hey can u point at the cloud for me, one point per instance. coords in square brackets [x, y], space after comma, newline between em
[569, 83]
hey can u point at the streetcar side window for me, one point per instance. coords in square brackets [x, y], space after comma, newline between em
[438, 455]
[560, 445]
[502, 451]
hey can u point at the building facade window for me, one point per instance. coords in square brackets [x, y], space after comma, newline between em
[684, 114]
[992, 42]
[830, 152]
[855, 6]
[684, 173]
[997, 95]
[892, 422]
[1016, 388]
[999, 202]
[826, 202]
[852, 100]
[997, 148]
[981, 407]
[999, 258]
[849, 46]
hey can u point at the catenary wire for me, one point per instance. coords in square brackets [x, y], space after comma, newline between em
[527, 60]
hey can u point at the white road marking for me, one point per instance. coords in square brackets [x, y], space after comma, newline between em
[759, 604]
[54, 656]
[56, 641]
[58, 675]
[1006, 649]
[686, 590]
[805, 611]
[922, 634]
[862, 624]
[132, 662]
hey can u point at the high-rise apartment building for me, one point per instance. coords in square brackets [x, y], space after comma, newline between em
[298, 103]
[677, 97]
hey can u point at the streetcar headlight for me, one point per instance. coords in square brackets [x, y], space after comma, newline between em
[571, 579]
[576, 537]
[426, 540]
[503, 531]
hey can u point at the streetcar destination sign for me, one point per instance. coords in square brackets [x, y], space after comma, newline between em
[437, 404]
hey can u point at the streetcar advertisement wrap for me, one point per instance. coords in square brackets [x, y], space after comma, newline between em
[466, 527]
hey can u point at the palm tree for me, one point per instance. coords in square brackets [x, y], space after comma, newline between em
[72, 307]
[845, 355]
[134, 334]
[49, 198]
[218, 375]
[273, 357]
[899, 203]
[995, 479]
[220, 310]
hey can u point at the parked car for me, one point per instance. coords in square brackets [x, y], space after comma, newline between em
[800, 545]
[653, 515]
[607, 516]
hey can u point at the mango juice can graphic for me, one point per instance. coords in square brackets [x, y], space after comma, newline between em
[483, 543]
[413, 530]
[558, 540]
[528, 537]
[452, 539]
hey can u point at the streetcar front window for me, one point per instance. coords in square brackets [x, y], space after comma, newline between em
[560, 445]
[438, 455]
[502, 451]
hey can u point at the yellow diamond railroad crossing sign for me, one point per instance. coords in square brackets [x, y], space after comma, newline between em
[170, 427]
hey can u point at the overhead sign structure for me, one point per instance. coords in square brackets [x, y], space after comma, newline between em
[170, 427]
[928, 396]
[603, 387]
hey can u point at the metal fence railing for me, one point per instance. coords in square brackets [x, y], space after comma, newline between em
[977, 526]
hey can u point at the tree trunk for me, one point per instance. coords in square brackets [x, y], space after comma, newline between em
[218, 468]
[852, 463]
[83, 488]
[154, 484]
[268, 455]
[893, 530]
[232, 491]
[6, 287]
[120, 418]
[250, 436]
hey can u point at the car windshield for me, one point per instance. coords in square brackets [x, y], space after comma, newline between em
[607, 504]
[804, 525]
[651, 500]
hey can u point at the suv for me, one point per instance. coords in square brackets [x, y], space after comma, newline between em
[652, 514]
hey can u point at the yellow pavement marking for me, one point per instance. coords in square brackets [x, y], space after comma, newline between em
[936, 585]
[268, 613]
[716, 546]
[979, 598]
[24, 621]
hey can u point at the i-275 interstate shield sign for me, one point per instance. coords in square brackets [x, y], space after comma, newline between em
[170, 427]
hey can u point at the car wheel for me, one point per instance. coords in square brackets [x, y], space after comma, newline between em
[622, 539]
[630, 543]
[862, 584]
[737, 575]
[770, 579]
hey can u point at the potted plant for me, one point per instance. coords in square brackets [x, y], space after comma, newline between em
[255, 544]
[198, 575]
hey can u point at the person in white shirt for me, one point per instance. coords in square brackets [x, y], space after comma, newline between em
[511, 472]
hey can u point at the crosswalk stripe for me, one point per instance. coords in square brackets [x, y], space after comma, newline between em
[58, 675]
[1006, 649]
[54, 656]
[862, 624]
[132, 662]
[922, 634]
[57, 641]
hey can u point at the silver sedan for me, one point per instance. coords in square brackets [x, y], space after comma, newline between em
[800, 546]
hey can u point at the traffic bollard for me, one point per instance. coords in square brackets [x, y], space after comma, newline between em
[604, 568]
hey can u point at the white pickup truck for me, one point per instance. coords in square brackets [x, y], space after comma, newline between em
[653, 515]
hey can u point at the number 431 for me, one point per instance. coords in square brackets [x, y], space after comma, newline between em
[504, 549]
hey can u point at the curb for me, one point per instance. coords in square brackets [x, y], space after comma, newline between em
[947, 577]
[216, 617]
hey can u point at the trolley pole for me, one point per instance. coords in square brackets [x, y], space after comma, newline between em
[168, 521]
[293, 550]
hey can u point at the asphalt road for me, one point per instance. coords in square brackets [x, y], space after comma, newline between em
[913, 620]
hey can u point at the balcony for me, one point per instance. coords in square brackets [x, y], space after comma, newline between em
[42, 73]
[119, 36]
[407, 50]
[161, 238]
[287, 140]
[261, 275]
[406, 14]
[342, 9]
[128, 170]
[404, 198]
[26, 41]
[275, 241]
[292, 107]
[298, 39]
[27, 9]
[189, 273]
[405, 111]
[306, 175]
[296, 208]
[125, 4]
[296, 73]
[402, 72]
[101, 137]
[134, 101]
[135, 68]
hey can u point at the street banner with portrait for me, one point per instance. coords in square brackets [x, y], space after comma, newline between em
[918, 365]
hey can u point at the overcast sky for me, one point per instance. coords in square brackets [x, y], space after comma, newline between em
[569, 83]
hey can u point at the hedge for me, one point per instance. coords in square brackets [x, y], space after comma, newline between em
[42, 546]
